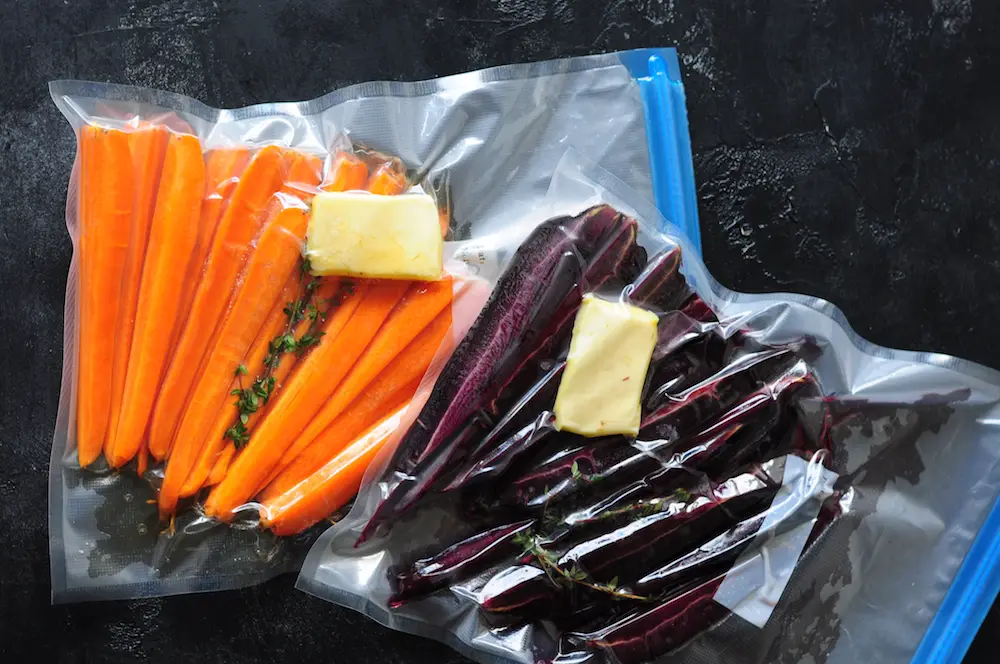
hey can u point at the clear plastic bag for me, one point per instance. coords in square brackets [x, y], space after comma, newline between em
[795, 493]
[223, 313]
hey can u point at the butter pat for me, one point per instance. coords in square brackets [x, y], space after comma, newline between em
[601, 389]
[381, 237]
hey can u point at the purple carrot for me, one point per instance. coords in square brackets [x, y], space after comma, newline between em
[645, 634]
[670, 527]
[471, 375]
[660, 286]
[494, 454]
[615, 259]
[456, 563]
[654, 530]
[620, 462]
[682, 369]
[526, 591]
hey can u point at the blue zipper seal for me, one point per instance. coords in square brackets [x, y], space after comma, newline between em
[658, 73]
[967, 601]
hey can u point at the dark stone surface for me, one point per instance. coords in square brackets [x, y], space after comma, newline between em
[844, 148]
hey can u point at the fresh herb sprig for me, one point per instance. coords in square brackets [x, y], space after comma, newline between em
[567, 577]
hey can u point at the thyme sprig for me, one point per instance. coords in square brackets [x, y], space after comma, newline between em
[566, 577]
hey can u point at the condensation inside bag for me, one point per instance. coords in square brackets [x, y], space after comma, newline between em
[491, 139]
[847, 563]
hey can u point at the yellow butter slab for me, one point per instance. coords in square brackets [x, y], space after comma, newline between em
[357, 234]
[601, 389]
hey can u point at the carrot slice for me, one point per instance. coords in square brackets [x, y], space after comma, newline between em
[270, 266]
[347, 173]
[311, 384]
[420, 305]
[172, 238]
[238, 226]
[309, 451]
[387, 180]
[332, 486]
[147, 147]
[106, 190]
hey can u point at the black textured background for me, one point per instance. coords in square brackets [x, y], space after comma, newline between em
[845, 148]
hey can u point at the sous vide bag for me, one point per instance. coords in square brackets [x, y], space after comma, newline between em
[795, 493]
[484, 144]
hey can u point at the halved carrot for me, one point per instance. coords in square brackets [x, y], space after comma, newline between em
[387, 180]
[314, 447]
[331, 487]
[237, 228]
[312, 383]
[223, 167]
[420, 305]
[347, 173]
[221, 465]
[254, 362]
[106, 191]
[172, 238]
[143, 458]
[337, 436]
[147, 147]
[273, 261]
[304, 173]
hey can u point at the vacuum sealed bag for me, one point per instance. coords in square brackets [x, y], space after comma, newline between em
[223, 387]
[624, 462]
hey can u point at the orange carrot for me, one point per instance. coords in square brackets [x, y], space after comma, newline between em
[172, 238]
[311, 384]
[238, 226]
[255, 358]
[254, 362]
[147, 147]
[143, 458]
[271, 264]
[387, 180]
[312, 450]
[420, 305]
[347, 173]
[331, 487]
[221, 465]
[336, 437]
[304, 173]
[106, 190]
[222, 175]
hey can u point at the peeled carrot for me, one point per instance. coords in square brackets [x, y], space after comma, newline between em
[331, 487]
[318, 444]
[420, 305]
[172, 238]
[106, 190]
[387, 180]
[238, 226]
[272, 262]
[254, 362]
[222, 175]
[142, 463]
[304, 173]
[312, 383]
[147, 147]
[221, 465]
[336, 437]
[347, 173]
